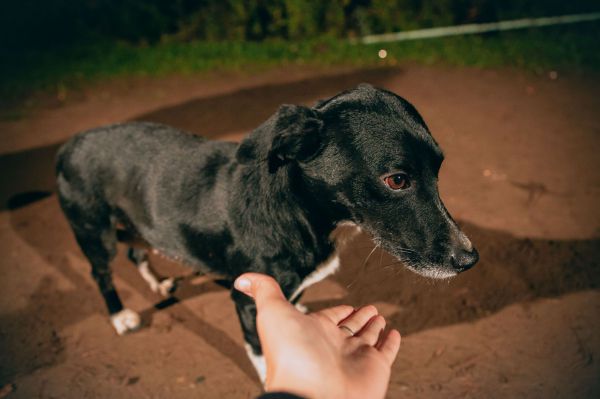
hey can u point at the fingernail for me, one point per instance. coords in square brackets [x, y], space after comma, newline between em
[243, 284]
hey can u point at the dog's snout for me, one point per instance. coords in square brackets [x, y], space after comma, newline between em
[462, 259]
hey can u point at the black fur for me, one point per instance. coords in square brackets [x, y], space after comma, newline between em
[269, 204]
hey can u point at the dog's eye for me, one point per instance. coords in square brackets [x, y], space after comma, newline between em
[398, 181]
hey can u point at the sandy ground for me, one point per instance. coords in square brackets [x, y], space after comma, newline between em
[522, 175]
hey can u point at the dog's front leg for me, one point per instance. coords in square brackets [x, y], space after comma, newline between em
[246, 310]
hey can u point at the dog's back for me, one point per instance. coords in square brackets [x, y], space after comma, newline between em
[131, 173]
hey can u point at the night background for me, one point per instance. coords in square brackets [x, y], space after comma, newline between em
[516, 113]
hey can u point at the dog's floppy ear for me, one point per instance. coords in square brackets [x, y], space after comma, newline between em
[292, 134]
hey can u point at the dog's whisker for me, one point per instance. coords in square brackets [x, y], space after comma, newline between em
[364, 246]
[362, 266]
[395, 263]
[370, 253]
[407, 250]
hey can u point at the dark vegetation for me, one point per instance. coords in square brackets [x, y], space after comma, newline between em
[57, 44]
[28, 23]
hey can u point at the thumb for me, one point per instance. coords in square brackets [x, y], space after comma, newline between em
[261, 287]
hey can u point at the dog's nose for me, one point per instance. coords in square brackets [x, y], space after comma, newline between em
[464, 260]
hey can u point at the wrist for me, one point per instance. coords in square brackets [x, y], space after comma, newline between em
[291, 385]
[325, 387]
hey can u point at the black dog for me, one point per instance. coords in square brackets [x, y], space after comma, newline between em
[267, 205]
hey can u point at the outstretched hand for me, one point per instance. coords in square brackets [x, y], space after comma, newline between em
[338, 352]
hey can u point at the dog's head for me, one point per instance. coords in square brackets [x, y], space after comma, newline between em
[369, 153]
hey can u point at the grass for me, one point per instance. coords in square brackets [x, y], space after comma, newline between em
[570, 47]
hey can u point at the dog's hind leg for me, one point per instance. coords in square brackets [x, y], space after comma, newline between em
[99, 247]
[96, 235]
[139, 257]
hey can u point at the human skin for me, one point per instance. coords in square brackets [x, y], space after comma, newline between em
[310, 355]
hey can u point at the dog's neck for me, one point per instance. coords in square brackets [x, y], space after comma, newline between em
[281, 206]
[322, 211]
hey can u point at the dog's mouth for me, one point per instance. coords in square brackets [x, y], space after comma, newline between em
[416, 263]
[442, 261]
[442, 267]
[438, 272]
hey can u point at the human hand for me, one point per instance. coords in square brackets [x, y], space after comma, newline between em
[315, 355]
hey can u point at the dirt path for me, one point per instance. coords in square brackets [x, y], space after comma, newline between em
[522, 175]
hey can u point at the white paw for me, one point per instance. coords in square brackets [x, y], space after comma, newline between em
[166, 287]
[125, 321]
[302, 308]
[259, 363]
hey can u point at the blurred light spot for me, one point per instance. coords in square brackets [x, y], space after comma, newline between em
[382, 53]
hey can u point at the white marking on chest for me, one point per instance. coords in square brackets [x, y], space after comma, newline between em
[325, 269]
[259, 363]
[344, 233]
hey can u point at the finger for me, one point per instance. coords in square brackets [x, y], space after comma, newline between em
[262, 288]
[370, 333]
[357, 320]
[389, 345]
[337, 313]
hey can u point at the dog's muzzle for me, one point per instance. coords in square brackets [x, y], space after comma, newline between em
[462, 259]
